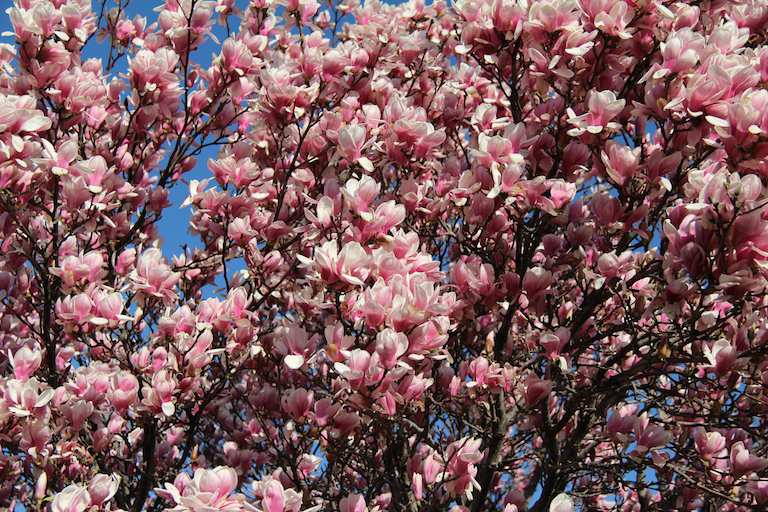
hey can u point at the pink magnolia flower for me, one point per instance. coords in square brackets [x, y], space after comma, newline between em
[474, 277]
[561, 192]
[108, 308]
[615, 20]
[360, 368]
[293, 342]
[648, 435]
[536, 390]
[417, 486]
[77, 411]
[298, 403]
[721, 356]
[236, 56]
[345, 423]
[153, 276]
[390, 345]
[77, 309]
[360, 194]
[759, 489]
[160, 395]
[350, 265]
[103, 487]
[412, 387]
[59, 159]
[125, 391]
[553, 15]
[353, 503]
[85, 267]
[709, 444]
[750, 236]
[743, 462]
[431, 468]
[603, 108]
[554, 342]
[460, 469]
[18, 114]
[25, 362]
[26, 398]
[324, 410]
[306, 9]
[703, 93]
[386, 216]
[40, 485]
[73, 498]
[535, 284]
[622, 420]
[275, 497]
[680, 51]
[621, 162]
[240, 171]
[273, 500]
[209, 489]
[609, 265]
[35, 438]
[536, 280]
[352, 140]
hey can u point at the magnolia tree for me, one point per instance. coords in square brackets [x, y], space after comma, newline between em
[482, 255]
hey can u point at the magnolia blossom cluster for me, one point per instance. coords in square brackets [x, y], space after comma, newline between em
[473, 255]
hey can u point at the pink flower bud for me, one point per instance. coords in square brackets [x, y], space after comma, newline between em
[72, 498]
[536, 390]
[298, 403]
[390, 345]
[353, 503]
[743, 462]
[103, 487]
[25, 362]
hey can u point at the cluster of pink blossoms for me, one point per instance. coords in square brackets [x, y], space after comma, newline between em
[473, 255]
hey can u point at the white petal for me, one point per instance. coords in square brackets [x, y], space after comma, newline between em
[352, 280]
[561, 503]
[44, 398]
[462, 49]
[168, 408]
[365, 164]
[294, 361]
[341, 368]
[36, 123]
[717, 121]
